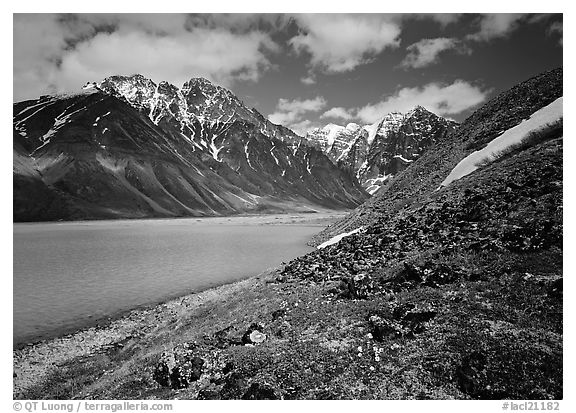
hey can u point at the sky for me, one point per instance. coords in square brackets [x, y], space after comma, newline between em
[299, 70]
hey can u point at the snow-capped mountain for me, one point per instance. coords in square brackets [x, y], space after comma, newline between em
[198, 100]
[128, 147]
[374, 153]
[333, 139]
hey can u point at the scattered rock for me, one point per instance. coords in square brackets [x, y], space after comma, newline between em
[471, 374]
[161, 374]
[278, 314]
[382, 328]
[177, 369]
[234, 387]
[226, 337]
[360, 286]
[555, 289]
[208, 394]
[259, 391]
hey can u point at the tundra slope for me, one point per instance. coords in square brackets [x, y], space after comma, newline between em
[416, 184]
[132, 149]
[468, 277]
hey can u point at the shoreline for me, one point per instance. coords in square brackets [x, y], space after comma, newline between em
[319, 211]
[320, 220]
[34, 362]
[35, 359]
[105, 321]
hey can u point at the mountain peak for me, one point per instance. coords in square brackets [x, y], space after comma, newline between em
[200, 80]
[200, 83]
[136, 77]
[418, 110]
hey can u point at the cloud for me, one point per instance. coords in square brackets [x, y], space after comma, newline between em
[426, 51]
[303, 127]
[341, 42]
[443, 18]
[290, 113]
[493, 26]
[439, 98]
[557, 28]
[308, 80]
[337, 112]
[59, 53]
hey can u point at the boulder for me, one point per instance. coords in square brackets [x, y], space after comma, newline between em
[382, 328]
[226, 337]
[254, 334]
[177, 369]
[258, 391]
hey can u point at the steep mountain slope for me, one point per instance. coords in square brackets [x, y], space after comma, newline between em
[415, 184]
[450, 273]
[333, 139]
[141, 150]
[374, 153]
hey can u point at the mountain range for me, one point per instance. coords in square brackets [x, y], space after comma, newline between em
[374, 153]
[127, 147]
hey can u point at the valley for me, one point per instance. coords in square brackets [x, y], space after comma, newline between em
[425, 291]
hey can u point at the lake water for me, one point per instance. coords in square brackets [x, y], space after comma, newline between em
[67, 274]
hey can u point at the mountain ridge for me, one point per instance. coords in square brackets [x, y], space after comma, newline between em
[375, 153]
[130, 148]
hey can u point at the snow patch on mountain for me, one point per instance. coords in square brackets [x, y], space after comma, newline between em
[338, 238]
[374, 184]
[537, 121]
[403, 159]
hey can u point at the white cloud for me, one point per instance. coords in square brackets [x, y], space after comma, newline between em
[302, 127]
[338, 112]
[557, 28]
[290, 113]
[308, 80]
[426, 51]
[438, 98]
[301, 106]
[444, 18]
[341, 42]
[215, 54]
[60, 53]
[493, 26]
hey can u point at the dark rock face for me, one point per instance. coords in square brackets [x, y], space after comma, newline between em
[128, 148]
[375, 153]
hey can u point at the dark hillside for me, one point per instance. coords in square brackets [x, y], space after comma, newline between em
[416, 183]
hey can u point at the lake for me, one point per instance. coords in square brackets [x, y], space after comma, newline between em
[69, 274]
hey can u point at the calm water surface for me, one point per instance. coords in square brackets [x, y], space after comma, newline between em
[66, 274]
